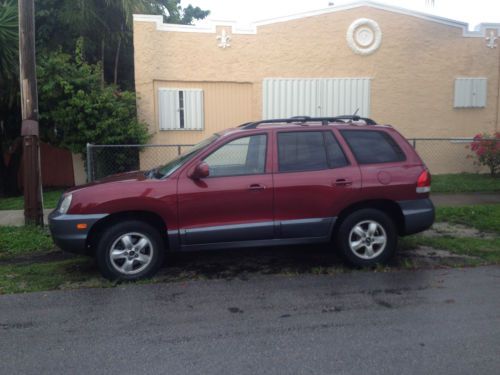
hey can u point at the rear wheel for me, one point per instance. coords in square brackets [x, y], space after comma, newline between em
[130, 250]
[367, 237]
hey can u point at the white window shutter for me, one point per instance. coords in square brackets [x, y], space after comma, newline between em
[168, 109]
[470, 92]
[193, 109]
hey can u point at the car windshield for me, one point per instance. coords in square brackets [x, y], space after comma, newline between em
[169, 168]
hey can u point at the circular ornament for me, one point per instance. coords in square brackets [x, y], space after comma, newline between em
[364, 36]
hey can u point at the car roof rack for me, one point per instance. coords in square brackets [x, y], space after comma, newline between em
[303, 119]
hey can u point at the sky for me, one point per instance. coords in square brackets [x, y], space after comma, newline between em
[241, 11]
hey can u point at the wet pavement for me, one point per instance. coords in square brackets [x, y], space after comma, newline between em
[400, 322]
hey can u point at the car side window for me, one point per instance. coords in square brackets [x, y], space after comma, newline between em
[309, 151]
[370, 147]
[241, 156]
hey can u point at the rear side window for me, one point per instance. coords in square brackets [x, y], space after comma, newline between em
[309, 151]
[370, 147]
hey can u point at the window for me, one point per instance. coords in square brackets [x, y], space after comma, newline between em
[370, 147]
[470, 92]
[309, 151]
[180, 109]
[242, 156]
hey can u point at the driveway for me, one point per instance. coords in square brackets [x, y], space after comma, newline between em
[435, 321]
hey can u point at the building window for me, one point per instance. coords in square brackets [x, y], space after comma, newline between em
[470, 92]
[180, 109]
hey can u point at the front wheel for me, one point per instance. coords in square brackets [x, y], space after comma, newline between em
[130, 250]
[367, 237]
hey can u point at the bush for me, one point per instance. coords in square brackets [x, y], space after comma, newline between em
[487, 150]
[76, 108]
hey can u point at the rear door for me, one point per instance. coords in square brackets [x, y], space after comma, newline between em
[313, 180]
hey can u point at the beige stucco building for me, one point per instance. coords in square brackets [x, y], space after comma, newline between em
[428, 76]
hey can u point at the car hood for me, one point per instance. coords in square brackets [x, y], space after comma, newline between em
[119, 177]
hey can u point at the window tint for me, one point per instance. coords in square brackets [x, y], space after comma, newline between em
[371, 147]
[308, 151]
[241, 156]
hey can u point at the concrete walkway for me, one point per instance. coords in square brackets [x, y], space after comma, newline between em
[16, 217]
[465, 199]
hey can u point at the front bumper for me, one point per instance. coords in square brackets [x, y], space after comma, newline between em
[65, 233]
[418, 215]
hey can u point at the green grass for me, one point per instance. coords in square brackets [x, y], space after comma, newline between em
[486, 249]
[17, 241]
[50, 199]
[465, 183]
[482, 217]
[74, 273]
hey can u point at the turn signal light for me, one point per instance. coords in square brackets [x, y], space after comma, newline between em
[81, 226]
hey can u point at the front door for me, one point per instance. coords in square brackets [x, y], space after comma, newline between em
[234, 203]
[313, 179]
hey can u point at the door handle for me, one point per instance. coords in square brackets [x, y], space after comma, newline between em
[256, 187]
[342, 182]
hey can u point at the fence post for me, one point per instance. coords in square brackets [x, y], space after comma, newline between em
[89, 162]
[178, 149]
[414, 144]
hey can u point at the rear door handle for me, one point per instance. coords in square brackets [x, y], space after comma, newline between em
[256, 187]
[342, 182]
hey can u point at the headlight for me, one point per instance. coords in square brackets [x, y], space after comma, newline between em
[66, 202]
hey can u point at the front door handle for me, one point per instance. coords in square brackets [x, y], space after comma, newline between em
[256, 187]
[342, 182]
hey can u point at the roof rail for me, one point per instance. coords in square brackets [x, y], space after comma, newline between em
[303, 119]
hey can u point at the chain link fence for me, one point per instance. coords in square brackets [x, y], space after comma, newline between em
[441, 155]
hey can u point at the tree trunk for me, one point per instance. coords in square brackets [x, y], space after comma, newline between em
[102, 61]
[117, 59]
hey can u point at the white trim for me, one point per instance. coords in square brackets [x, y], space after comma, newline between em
[210, 26]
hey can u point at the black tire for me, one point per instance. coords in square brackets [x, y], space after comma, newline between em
[346, 235]
[112, 235]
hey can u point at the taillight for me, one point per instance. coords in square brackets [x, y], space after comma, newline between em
[424, 182]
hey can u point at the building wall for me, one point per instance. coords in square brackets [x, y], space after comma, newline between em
[413, 71]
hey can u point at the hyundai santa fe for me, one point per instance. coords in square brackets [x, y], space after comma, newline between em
[341, 180]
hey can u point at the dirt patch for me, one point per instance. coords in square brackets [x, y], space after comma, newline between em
[428, 257]
[455, 230]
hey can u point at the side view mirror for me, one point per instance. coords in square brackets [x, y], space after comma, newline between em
[200, 171]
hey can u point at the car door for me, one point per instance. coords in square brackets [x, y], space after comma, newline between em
[234, 203]
[313, 180]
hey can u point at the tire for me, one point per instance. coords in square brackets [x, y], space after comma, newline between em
[360, 238]
[137, 247]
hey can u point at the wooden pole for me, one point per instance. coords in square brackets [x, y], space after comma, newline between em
[33, 206]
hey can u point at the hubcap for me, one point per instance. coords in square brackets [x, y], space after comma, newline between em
[367, 239]
[131, 253]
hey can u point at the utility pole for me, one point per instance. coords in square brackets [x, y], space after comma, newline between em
[33, 206]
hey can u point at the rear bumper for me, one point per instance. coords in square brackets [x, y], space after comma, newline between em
[65, 234]
[418, 215]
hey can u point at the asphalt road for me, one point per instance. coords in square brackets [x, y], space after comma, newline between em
[415, 322]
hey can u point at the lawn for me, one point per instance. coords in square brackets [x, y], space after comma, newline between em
[50, 199]
[485, 218]
[18, 241]
[465, 183]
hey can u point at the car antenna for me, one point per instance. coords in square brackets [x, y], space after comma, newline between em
[354, 115]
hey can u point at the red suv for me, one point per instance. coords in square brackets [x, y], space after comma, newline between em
[302, 180]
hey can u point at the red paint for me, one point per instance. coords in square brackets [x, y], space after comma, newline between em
[186, 202]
